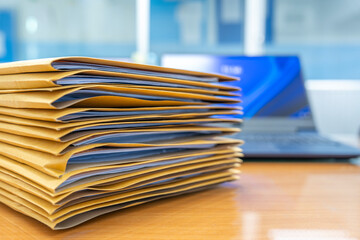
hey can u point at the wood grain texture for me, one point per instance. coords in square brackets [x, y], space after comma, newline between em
[270, 201]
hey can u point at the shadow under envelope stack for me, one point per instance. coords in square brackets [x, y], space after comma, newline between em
[81, 137]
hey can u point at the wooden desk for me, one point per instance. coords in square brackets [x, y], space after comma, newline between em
[271, 201]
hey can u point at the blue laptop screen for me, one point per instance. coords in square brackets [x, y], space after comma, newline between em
[272, 86]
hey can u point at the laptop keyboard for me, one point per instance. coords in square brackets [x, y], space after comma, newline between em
[298, 139]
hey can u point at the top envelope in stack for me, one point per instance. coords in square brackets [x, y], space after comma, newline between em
[80, 137]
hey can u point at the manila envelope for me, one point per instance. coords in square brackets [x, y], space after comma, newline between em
[160, 88]
[81, 215]
[54, 64]
[126, 181]
[132, 118]
[61, 191]
[222, 170]
[55, 165]
[52, 188]
[60, 134]
[105, 189]
[83, 114]
[121, 135]
[105, 96]
[55, 211]
[60, 78]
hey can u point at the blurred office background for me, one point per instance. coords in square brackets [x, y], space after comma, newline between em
[324, 33]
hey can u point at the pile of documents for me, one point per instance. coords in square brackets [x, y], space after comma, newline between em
[81, 137]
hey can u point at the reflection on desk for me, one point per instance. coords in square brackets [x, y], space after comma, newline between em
[271, 201]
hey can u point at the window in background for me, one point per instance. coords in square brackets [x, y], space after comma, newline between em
[324, 33]
[197, 26]
[93, 28]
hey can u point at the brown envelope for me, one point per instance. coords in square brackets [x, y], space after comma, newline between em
[139, 118]
[54, 98]
[61, 199]
[54, 190]
[48, 79]
[63, 115]
[56, 165]
[47, 65]
[54, 211]
[58, 148]
[47, 187]
[139, 87]
[80, 215]
[67, 134]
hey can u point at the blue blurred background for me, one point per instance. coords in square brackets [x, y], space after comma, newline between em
[324, 33]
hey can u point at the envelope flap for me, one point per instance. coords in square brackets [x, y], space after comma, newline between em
[139, 66]
[47, 65]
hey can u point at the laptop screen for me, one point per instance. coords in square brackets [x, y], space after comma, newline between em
[272, 86]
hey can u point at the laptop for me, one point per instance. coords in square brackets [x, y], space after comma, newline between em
[278, 122]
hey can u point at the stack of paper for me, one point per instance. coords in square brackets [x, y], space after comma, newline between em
[80, 137]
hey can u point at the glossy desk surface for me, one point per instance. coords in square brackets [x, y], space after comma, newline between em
[271, 201]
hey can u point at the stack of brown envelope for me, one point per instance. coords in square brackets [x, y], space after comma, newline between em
[81, 137]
